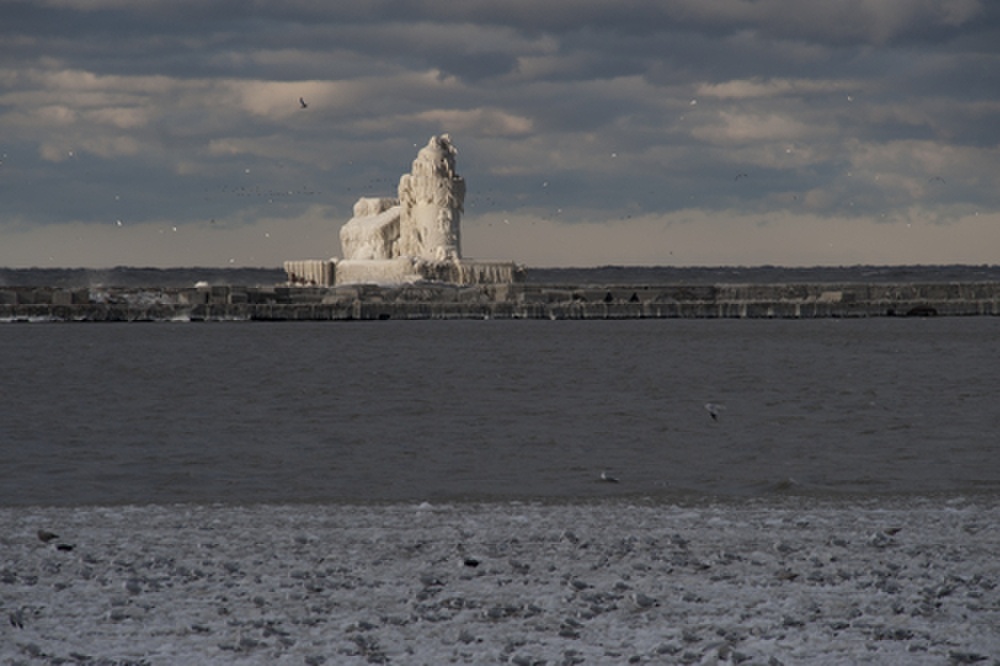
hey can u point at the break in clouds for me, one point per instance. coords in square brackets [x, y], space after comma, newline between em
[172, 133]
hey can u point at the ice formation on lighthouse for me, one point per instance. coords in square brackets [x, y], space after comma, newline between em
[424, 222]
[413, 237]
[373, 232]
[431, 198]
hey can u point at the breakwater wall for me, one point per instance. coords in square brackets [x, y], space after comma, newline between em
[512, 301]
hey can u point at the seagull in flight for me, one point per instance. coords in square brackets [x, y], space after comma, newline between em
[714, 409]
[302, 104]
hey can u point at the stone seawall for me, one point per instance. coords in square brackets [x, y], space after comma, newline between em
[513, 301]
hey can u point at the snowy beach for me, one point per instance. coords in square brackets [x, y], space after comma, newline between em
[777, 580]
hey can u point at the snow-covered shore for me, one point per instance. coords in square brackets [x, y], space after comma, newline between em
[776, 581]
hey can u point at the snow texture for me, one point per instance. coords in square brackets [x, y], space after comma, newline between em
[782, 581]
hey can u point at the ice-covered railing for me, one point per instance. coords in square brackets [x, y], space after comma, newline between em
[488, 272]
[310, 272]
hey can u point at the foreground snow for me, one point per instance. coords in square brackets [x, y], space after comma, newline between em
[782, 581]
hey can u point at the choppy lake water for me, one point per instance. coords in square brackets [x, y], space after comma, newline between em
[245, 413]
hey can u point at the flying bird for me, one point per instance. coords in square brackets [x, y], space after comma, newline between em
[714, 409]
[302, 103]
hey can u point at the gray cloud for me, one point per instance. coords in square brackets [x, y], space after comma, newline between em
[186, 114]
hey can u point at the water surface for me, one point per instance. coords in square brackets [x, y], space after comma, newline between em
[372, 411]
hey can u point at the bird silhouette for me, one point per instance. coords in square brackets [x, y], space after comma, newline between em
[714, 409]
[302, 103]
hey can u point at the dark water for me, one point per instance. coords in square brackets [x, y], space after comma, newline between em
[427, 410]
[762, 274]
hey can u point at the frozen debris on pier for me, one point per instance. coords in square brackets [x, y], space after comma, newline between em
[410, 238]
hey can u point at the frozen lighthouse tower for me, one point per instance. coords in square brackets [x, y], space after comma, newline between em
[415, 237]
[431, 198]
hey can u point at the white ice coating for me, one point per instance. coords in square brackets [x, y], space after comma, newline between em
[431, 197]
[373, 233]
[423, 223]
[414, 237]
[400, 270]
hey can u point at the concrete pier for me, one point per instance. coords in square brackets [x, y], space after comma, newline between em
[499, 301]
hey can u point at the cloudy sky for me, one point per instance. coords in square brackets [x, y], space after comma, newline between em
[591, 132]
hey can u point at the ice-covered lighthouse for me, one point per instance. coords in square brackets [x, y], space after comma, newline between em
[413, 237]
